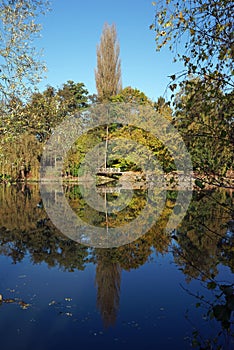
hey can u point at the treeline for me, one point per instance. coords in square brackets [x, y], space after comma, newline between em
[205, 125]
[26, 127]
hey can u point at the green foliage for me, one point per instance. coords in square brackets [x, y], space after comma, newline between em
[130, 95]
[206, 124]
[20, 159]
[163, 107]
[205, 30]
[200, 35]
[201, 236]
[46, 110]
[25, 127]
[127, 154]
[72, 97]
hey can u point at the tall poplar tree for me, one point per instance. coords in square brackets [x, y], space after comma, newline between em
[108, 71]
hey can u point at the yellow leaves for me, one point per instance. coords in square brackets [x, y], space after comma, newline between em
[181, 18]
[168, 24]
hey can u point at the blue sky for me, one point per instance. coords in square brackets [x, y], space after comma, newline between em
[72, 30]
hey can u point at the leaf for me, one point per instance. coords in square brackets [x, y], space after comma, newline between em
[187, 59]
[211, 285]
[24, 305]
[173, 87]
[199, 183]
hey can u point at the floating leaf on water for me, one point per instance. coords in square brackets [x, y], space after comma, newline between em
[9, 301]
[68, 299]
[24, 305]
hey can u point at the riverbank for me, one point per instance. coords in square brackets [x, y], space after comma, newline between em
[172, 180]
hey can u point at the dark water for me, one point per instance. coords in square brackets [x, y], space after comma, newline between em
[163, 291]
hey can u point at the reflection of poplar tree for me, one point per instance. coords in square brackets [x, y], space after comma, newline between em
[108, 278]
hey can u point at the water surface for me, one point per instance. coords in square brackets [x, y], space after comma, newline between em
[162, 291]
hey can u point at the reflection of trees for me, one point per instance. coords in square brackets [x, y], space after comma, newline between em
[43, 245]
[95, 218]
[226, 245]
[201, 233]
[26, 229]
[108, 278]
[217, 309]
[202, 239]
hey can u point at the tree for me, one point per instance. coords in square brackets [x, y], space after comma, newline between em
[205, 107]
[206, 126]
[45, 110]
[108, 72]
[205, 28]
[130, 95]
[20, 67]
[30, 124]
[73, 97]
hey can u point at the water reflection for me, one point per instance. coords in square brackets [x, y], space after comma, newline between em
[203, 242]
[108, 279]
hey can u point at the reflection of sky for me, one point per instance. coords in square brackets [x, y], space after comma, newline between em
[151, 312]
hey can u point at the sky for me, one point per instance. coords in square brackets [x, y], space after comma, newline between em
[72, 30]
